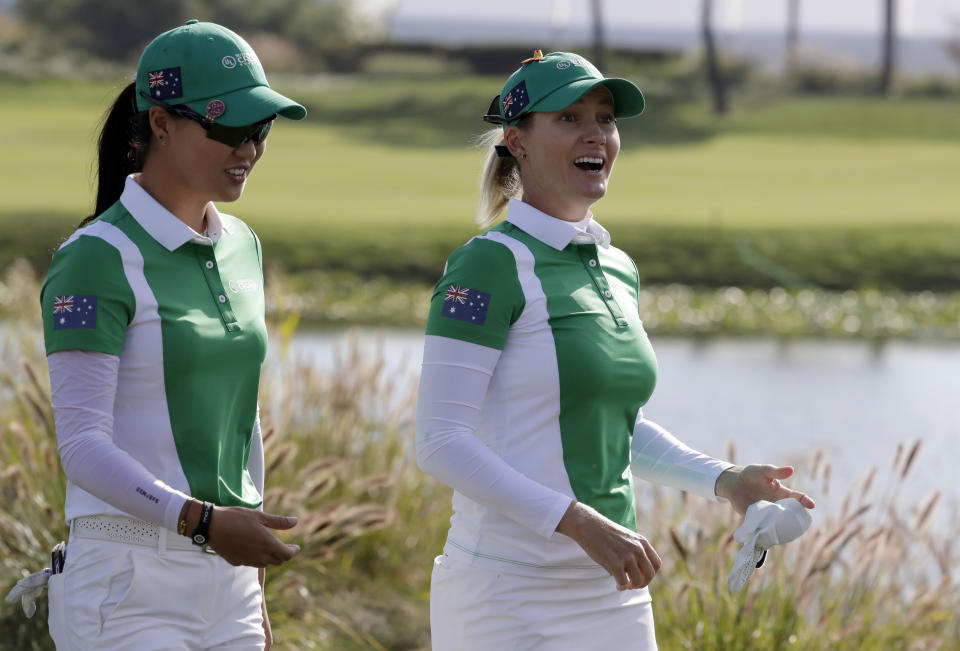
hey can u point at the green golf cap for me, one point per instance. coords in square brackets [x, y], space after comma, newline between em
[555, 81]
[213, 71]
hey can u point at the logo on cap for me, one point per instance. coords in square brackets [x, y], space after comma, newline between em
[165, 84]
[215, 108]
[563, 65]
[516, 100]
[229, 62]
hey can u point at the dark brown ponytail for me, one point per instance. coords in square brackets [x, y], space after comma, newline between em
[123, 144]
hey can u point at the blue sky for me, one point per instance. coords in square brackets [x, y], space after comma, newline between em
[938, 18]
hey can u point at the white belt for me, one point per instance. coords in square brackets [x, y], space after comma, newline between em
[135, 532]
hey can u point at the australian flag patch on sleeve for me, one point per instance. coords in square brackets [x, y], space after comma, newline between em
[465, 304]
[77, 311]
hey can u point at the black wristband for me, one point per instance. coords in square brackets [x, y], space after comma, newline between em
[201, 535]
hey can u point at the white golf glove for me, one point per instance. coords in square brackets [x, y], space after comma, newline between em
[766, 524]
[28, 589]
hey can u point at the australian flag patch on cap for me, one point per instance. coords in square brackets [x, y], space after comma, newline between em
[165, 84]
[77, 311]
[465, 304]
[515, 101]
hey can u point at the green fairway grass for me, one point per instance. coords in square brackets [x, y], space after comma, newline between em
[382, 178]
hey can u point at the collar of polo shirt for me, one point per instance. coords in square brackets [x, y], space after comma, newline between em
[162, 225]
[556, 232]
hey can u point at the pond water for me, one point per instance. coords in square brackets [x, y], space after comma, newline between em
[777, 401]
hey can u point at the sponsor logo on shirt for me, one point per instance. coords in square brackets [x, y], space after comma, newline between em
[152, 498]
[465, 304]
[242, 285]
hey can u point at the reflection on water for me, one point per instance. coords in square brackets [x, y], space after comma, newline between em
[777, 401]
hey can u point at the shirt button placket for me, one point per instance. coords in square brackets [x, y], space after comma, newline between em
[589, 256]
[212, 275]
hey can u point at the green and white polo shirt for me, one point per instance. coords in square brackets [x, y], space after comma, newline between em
[574, 370]
[185, 316]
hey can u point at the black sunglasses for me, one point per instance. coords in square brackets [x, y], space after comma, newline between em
[493, 113]
[230, 136]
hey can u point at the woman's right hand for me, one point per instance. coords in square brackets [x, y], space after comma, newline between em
[629, 557]
[243, 536]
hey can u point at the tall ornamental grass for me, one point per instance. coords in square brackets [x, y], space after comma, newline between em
[31, 483]
[879, 574]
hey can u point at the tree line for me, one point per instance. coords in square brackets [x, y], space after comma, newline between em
[118, 30]
[326, 32]
[714, 76]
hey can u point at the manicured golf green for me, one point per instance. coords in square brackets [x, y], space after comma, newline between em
[373, 170]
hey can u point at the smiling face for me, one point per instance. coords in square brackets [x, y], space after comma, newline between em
[209, 169]
[566, 156]
[185, 169]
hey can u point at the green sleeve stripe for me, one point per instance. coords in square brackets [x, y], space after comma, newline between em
[90, 263]
[482, 267]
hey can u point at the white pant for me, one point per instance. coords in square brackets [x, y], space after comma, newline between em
[479, 609]
[114, 596]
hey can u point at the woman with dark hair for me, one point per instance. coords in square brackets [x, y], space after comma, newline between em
[153, 316]
[535, 369]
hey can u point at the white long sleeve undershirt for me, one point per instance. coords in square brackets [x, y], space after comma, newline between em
[659, 457]
[453, 384]
[83, 388]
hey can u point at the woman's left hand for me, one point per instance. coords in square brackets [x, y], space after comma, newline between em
[742, 486]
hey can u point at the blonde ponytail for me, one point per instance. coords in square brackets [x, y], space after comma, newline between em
[500, 181]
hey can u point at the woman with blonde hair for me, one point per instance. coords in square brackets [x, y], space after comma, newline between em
[535, 369]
